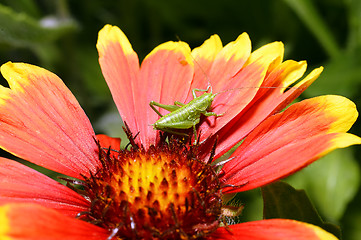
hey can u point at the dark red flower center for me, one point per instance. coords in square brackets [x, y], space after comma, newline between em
[164, 192]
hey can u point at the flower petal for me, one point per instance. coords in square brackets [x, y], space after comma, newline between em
[203, 58]
[41, 121]
[22, 184]
[229, 61]
[109, 144]
[166, 75]
[266, 103]
[106, 142]
[215, 65]
[289, 141]
[120, 67]
[33, 222]
[240, 88]
[280, 229]
[269, 53]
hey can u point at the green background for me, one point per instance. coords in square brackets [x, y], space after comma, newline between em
[60, 36]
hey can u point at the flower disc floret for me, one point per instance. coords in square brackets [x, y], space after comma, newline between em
[163, 192]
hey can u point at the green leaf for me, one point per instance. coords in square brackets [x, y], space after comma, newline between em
[308, 13]
[341, 76]
[354, 16]
[31, 7]
[22, 30]
[331, 182]
[283, 201]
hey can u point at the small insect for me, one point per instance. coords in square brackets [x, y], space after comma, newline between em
[185, 116]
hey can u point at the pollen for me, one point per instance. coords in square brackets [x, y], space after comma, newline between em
[164, 192]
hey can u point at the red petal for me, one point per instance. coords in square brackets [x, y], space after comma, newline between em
[166, 75]
[106, 142]
[109, 144]
[266, 103]
[289, 141]
[19, 183]
[120, 67]
[231, 103]
[280, 229]
[41, 121]
[239, 74]
[34, 222]
[216, 66]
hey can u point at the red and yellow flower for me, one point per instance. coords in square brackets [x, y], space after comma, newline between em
[162, 189]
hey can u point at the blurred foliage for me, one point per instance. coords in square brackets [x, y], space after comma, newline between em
[338, 174]
[60, 35]
[292, 204]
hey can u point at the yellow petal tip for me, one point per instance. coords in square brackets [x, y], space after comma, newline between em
[4, 223]
[180, 47]
[209, 49]
[238, 49]
[112, 34]
[322, 234]
[346, 139]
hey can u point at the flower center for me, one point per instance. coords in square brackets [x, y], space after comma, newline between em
[164, 192]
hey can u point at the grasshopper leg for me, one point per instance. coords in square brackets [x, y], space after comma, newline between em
[195, 135]
[199, 90]
[170, 108]
[152, 104]
[179, 103]
[207, 114]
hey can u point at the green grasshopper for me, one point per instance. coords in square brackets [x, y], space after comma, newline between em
[185, 116]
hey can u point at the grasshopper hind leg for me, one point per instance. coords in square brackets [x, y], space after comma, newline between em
[169, 108]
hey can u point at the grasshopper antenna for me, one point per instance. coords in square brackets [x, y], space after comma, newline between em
[260, 87]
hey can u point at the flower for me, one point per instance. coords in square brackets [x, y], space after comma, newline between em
[162, 189]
